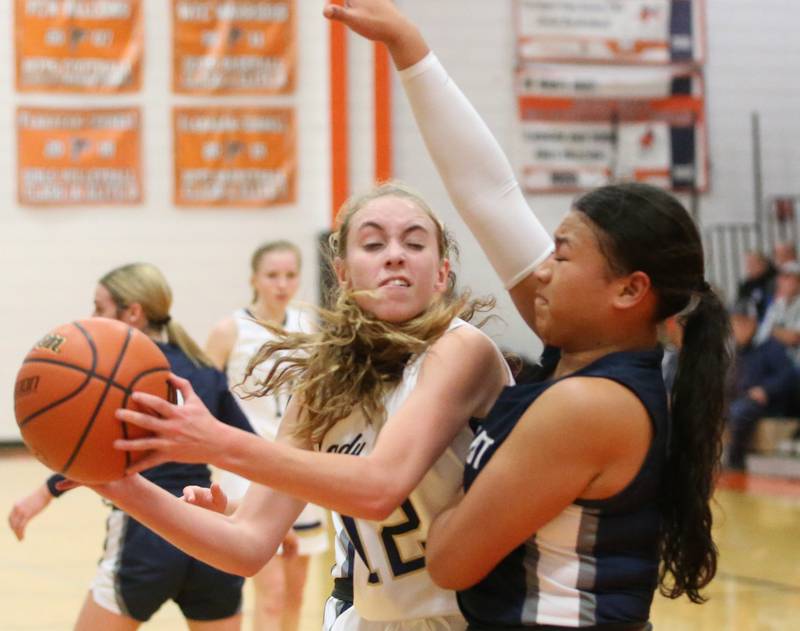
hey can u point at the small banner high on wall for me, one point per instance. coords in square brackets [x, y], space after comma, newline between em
[233, 46]
[86, 46]
[72, 157]
[234, 156]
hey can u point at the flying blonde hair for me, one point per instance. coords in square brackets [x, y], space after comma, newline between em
[354, 359]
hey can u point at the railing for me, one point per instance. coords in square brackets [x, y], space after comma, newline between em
[727, 243]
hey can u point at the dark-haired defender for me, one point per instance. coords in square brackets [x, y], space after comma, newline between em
[590, 490]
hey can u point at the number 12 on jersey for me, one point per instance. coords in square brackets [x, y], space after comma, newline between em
[389, 536]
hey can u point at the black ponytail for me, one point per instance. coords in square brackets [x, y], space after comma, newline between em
[688, 553]
[643, 228]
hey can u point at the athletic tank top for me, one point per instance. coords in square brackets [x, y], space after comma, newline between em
[596, 562]
[390, 580]
[264, 413]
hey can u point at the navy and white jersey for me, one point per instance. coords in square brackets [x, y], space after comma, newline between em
[597, 562]
[211, 386]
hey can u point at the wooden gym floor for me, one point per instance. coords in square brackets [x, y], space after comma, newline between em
[44, 579]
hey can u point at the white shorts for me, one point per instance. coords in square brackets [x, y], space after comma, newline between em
[311, 526]
[349, 620]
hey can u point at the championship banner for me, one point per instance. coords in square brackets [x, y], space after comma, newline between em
[78, 45]
[78, 157]
[233, 46]
[234, 156]
[611, 31]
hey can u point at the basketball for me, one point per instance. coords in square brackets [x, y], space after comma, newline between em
[69, 387]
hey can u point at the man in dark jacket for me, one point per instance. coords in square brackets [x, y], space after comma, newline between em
[763, 383]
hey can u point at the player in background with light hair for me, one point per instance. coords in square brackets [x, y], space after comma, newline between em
[139, 571]
[393, 376]
[275, 280]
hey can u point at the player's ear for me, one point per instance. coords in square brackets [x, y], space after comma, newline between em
[340, 269]
[134, 315]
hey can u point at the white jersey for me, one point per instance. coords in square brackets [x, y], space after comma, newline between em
[390, 580]
[265, 414]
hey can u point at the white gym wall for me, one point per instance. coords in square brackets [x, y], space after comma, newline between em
[50, 259]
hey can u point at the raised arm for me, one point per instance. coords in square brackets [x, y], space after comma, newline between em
[473, 167]
[461, 377]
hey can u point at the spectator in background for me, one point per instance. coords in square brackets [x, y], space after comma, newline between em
[758, 284]
[782, 319]
[763, 381]
[784, 252]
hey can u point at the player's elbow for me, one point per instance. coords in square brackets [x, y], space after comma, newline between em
[389, 498]
[379, 498]
[247, 570]
[380, 507]
[250, 566]
[447, 573]
[251, 559]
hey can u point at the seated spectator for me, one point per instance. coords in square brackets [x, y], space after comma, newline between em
[784, 252]
[758, 284]
[782, 319]
[763, 382]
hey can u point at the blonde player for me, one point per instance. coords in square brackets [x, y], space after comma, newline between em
[275, 279]
[384, 390]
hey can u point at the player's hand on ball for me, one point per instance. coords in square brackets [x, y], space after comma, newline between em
[182, 433]
[213, 498]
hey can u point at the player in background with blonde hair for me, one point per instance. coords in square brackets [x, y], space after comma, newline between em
[275, 280]
[139, 571]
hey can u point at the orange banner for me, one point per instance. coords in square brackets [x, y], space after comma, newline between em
[78, 157]
[78, 45]
[234, 156]
[233, 46]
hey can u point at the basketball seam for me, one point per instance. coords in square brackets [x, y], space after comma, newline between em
[86, 381]
[128, 393]
[99, 405]
[127, 390]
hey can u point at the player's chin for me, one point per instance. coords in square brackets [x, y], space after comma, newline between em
[397, 313]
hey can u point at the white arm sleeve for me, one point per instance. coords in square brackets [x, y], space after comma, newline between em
[476, 172]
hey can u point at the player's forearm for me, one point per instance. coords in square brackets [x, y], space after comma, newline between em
[407, 46]
[357, 486]
[206, 535]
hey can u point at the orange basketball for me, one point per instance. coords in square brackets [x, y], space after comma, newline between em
[69, 386]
